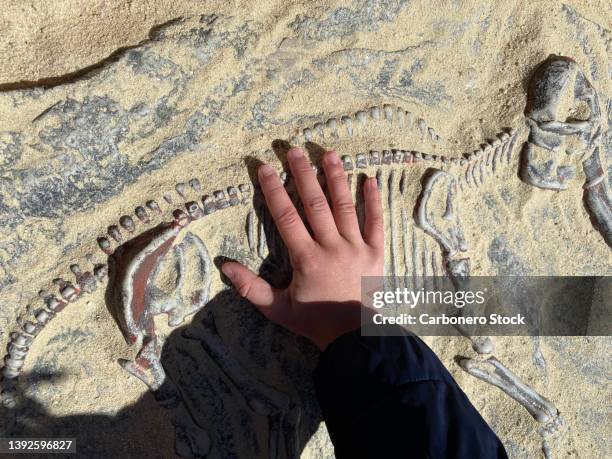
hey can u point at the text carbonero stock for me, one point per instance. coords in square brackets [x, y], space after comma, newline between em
[443, 319]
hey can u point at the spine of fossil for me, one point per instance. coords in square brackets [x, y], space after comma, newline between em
[194, 211]
[154, 207]
[476, 168]
[142, 214]
[376, 116]
[181, 190]
[347, 122]
[332, 127]
[87, 282]
[486, 161]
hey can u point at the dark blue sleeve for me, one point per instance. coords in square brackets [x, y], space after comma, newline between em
[390, 396]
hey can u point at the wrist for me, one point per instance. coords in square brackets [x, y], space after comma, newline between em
[340, 318]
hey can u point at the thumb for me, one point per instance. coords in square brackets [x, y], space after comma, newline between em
[250, 286]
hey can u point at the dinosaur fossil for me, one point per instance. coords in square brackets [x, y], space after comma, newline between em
[422, 196]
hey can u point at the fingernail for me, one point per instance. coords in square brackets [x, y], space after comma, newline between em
[295, 153]
[332, 157]
[266, 170]
[227, 270]
[372, 183]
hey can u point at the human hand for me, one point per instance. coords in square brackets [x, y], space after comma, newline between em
[323, 300]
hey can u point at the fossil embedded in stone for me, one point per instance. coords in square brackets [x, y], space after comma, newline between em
[55, 304]
[245, 189]
[127, 223]
[42, 316]
[308, 135]
[432, 134]
[180, 217]
[362, 117]
[361, 161]
[17, 352]
[141, 214]
[194, 183]
[262, 398]
[194, 210]
[221, 199]
[18, 343]
[15, 363]
[85, 280]
[208, 204]
[422, 125]
[105, 245]
[113, 231]
[69, 292]
[21, 340]
[409, 120]
[30, 328]
[8, 396]
[318, 128]
[347, 163]
[180, 189]
[232, 193]
[9, 373]
[100, 271]
[495, 373]
[332, 126]
[400, 115]
[388, 111]
[348, 125]
[154, 206]
[250, 230]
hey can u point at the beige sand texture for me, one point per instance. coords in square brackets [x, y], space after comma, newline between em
[105, 105]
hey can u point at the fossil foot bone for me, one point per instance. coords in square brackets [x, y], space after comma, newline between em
[494, 372]
[261, 398]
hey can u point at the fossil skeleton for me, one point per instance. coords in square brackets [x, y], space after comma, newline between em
[424, 241]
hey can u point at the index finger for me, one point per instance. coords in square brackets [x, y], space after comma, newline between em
[287, 219]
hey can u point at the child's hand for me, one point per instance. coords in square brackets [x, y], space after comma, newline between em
[323, 300]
